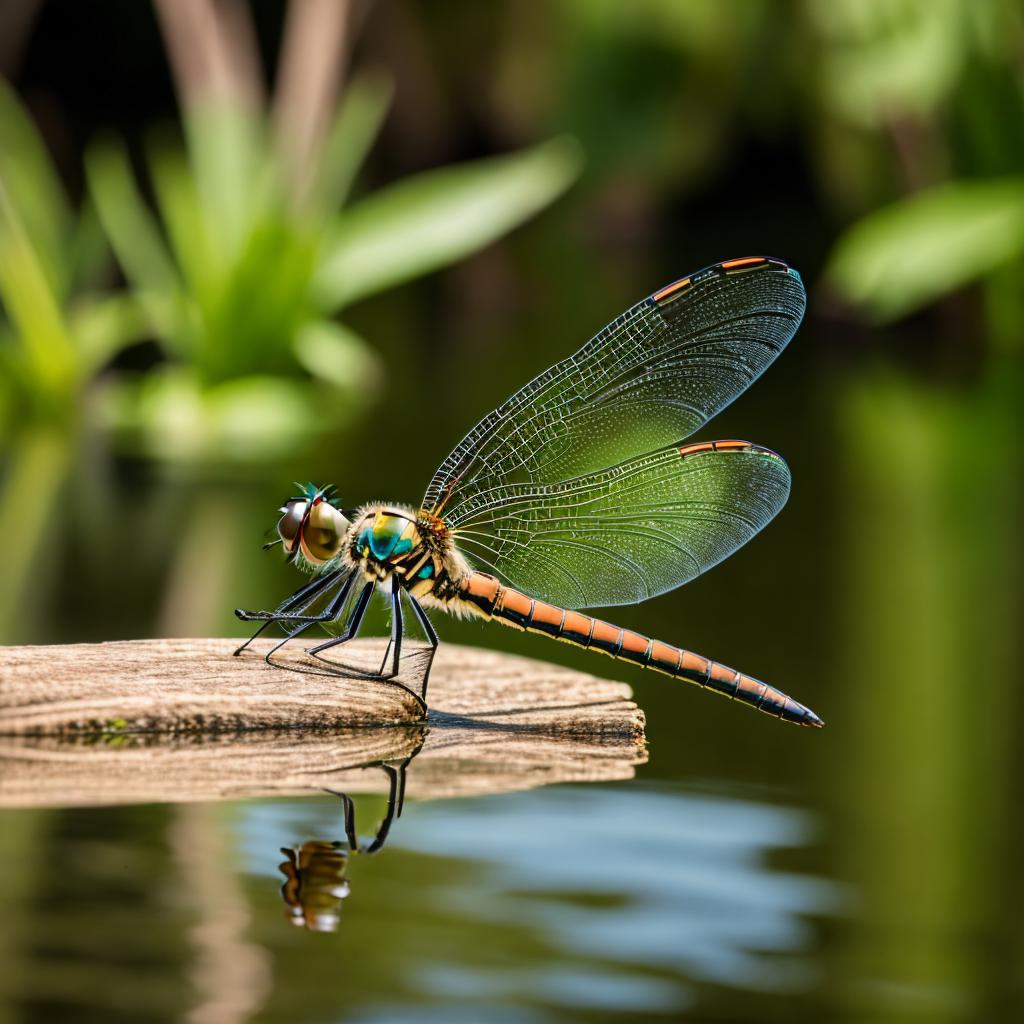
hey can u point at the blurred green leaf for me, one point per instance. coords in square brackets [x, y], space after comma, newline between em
[880, 62]
[234, 172]
[128, 223]
[104, 326]
[337, 355]
[38, 468]
[248, 323]
[254, 417]
[34, 189]
[354, 131]
[87, 252]
[48, 258]
[171, 414]
[227, 270]
[906, 255]
[438, 217]
[184, 222]
[30, 301]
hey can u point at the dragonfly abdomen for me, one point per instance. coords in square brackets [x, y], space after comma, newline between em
[520, 611]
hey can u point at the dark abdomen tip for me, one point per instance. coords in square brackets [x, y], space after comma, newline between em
[799, 715]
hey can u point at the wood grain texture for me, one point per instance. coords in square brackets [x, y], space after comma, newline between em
[197, 686]
[182, 720]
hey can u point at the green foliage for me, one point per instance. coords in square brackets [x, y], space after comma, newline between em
[434, 219]
[903, 109]
[54, 336]
[915, 100]
[913, 252]
[241, 273]
[881, 58]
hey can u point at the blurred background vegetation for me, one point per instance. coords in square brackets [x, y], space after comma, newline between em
[248, 243]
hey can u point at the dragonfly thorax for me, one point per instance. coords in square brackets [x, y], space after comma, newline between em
[386, 540]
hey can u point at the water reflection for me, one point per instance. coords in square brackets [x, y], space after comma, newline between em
[315, 871]
[567, 901]
[315, 883]
[559, 902]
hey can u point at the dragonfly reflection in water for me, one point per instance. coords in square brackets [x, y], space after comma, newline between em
[576, 492]
[316, 871]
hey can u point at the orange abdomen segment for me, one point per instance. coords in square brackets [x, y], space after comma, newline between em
[516, 609]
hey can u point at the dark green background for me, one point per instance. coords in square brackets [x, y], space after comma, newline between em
[753, 871]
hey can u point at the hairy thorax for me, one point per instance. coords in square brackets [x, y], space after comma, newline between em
[392, 540]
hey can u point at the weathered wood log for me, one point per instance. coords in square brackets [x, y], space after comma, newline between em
[181, 720]
[197, 686]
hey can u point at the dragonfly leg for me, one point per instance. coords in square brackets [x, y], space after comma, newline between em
[397, 630]
[401, 786]
[432, 639]
[350, 817]
[329, 614]
[354, 622]
[289, 604]
[396, 800]
[396, 797]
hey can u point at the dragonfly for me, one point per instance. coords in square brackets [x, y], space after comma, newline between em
[578, 492]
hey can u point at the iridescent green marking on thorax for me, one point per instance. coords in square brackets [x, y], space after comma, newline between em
[387, 537]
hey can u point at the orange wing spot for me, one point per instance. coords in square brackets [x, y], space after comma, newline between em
[693, 449]
[744, 262]
[731, 445]
[670, 289]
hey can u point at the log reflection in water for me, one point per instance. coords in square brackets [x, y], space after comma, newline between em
[497, 723]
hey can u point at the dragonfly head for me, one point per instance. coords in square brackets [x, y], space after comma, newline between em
[312, 526]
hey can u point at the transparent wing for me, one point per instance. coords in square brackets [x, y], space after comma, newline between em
[649, 379]
[629, 532]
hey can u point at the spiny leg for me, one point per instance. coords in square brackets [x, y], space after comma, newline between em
[432, 639]
[296, 600]
[354, 622]
[329, 614]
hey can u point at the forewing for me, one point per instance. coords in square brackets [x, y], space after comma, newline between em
[649, 379]
[629, 532]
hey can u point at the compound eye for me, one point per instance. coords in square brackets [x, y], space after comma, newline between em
[323, 533]
[289, 523]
